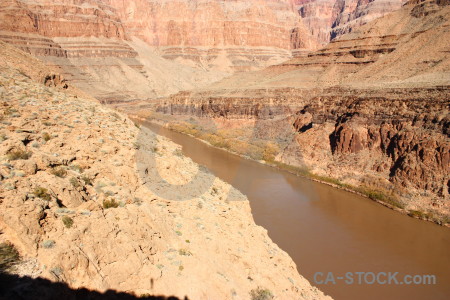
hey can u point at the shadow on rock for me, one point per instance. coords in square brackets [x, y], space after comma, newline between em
[13, 287]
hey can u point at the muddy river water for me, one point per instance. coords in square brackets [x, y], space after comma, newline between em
[332, 234]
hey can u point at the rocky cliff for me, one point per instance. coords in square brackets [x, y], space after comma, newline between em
[122, 51]
[328, 19]
[243, 35]
[369, 110]
[79, 204]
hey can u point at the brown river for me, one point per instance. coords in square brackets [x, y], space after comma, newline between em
[334, 232]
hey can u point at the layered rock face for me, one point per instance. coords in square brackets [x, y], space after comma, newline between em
[370, 109]
[329, 19]
[85, 38]
[110, 48]
[242, 35]
[78, 202]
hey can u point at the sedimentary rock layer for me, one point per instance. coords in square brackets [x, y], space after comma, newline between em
[207, 39]
[328, 19]
[243, 35]
[369, 109]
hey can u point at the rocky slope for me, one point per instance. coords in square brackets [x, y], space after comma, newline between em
[328, 19]
[83, 204]
[369, 110]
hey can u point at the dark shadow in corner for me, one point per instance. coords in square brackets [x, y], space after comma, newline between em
[13, 287]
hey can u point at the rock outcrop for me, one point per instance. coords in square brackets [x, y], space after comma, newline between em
[370, 109]
[76, 202]
[329, 19]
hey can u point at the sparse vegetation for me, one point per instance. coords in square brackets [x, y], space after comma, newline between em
[261, 294]
[59, 172]
[419, 214]
[68, 221]
[87, 180]
[19, 154]
[110, 203]
[48, 244]
[42, 193]
[9, 256]
[214, 191]
[184, 252]
[178, 152]
[74, 182]
[47, 137]
[77, 168]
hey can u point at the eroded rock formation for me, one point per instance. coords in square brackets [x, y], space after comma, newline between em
[328, 19]
[369, 109]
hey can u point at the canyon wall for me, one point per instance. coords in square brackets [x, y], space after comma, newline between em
[241, 35]
[329, 19]
[370, 110]
[85, 38]
[123, 51]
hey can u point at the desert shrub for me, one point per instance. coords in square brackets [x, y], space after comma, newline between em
[270, 151]
[46, 136]
[19, 154]
[380, 195]
[48, 244]
[74, 182]
[77, 168]
[68, 221]
[178, 152]
[261, 294]
[184, 252]
[87, 180]
[42, 193]
[9, 256]
[59, 172]
[214, 191]
[418, 214]
[110, 203]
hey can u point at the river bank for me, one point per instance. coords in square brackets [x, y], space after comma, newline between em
[386, 198]
[327, 229]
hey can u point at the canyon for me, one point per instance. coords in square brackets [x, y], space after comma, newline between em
[127, 51]
[79, 204]
[354, 94]
[368, 112]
